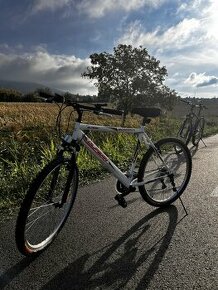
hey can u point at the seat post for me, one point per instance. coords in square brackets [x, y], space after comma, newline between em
[145, 121]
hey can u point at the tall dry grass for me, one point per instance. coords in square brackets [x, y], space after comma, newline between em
[28, 140]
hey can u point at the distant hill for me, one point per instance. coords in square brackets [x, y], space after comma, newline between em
[29, 87]
[24, 87]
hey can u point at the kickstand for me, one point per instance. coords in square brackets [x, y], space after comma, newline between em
[186, 213]
[203, 142]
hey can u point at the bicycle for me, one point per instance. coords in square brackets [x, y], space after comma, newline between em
[192, 127]
[161, 178]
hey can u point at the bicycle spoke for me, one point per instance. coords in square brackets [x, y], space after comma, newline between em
[35, 209]
[34, 221]
[165, 178]
[45, 215]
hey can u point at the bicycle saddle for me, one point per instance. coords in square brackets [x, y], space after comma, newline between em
[147, 112]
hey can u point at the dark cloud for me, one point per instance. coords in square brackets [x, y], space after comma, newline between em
[59, 71]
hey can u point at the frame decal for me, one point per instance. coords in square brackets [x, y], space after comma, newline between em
[94, 148]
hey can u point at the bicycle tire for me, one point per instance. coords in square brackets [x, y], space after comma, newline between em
[159, 190]
[39, 210]
[198, 131]
[185, 131]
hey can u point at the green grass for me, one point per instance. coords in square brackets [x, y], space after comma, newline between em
[24, 153]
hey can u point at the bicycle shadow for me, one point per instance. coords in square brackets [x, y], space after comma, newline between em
[14, 271]
[193, 149]
[130, 201]
[120, 262]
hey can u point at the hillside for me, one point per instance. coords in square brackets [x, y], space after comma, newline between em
[24, 87]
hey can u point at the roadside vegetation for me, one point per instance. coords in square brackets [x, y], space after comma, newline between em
[28, 141]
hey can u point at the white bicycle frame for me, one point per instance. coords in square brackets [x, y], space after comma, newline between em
[79, 136]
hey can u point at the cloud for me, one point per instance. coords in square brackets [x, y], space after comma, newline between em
[40, 5]
[193, 7]
[185, 34]
[95, 8]
[190, 31]
[57, 71]
[190, 45]
[201, 80]
[98, 8]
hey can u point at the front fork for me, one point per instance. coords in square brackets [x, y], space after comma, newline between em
[73, 150]
[54, 178]
[71, 167]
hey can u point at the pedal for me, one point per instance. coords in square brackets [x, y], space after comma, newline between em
[123, 190]
[163, 184]
[171, 176]
[121, 200]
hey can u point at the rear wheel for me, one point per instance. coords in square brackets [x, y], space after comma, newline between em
[165, 171]
[198, 132]
[46, 206]
[185, 130]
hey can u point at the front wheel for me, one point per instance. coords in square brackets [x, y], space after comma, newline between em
[46, 206]
[165, 171]
[198, 132]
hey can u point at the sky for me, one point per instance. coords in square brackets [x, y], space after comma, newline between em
[50, 41]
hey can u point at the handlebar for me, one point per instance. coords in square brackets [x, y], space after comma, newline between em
[194, 105]
[48, 98]
[95, 108]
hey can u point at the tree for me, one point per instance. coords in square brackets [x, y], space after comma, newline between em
[45, 90]
[32, 97]
[10, 95]
[130, 77]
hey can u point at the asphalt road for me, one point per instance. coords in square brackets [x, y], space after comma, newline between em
[104, 246]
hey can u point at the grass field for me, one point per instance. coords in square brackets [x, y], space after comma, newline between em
[28, 141]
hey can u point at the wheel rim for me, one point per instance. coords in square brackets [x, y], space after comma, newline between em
[166, 180]
[45, 217]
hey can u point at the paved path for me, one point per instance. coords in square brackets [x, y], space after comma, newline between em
[104, 246]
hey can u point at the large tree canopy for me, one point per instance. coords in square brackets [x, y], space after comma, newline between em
[131, 77]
